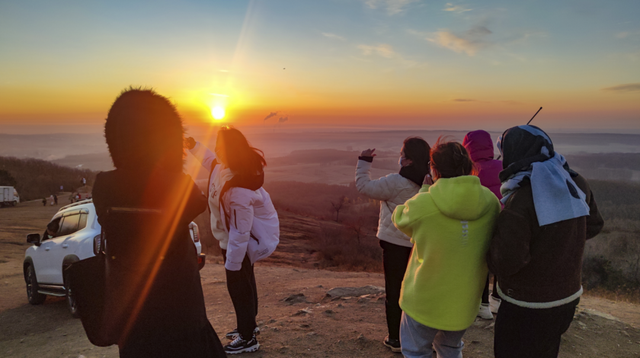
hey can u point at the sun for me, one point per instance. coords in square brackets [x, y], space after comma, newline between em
[217, 112]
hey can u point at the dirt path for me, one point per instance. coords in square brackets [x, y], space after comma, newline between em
[312, 325]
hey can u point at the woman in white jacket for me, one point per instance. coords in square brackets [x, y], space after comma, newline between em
[392, 190]
[243, 220]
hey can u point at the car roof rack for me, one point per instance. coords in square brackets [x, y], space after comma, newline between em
[85, 201]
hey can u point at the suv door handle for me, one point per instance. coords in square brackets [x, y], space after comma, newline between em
[64, 246]
[47, 248]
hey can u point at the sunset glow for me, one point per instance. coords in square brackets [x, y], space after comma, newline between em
[217, 113]
[376, 63]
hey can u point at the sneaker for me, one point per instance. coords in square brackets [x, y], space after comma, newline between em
[240, 345]
[393, 344]
[494, 303]
[484, 312]
[234, 334]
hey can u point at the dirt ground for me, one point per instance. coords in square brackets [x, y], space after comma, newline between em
[309, 324]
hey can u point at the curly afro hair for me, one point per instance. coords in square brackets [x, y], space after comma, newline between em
[143, 129]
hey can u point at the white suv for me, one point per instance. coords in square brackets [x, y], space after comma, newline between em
[77, 232]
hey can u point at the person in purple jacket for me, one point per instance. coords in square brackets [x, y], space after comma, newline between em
[480, 147]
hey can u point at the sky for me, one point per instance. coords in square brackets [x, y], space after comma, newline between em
[333, 63]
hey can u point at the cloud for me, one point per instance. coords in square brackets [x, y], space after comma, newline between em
[283, 119]
[333, 36]
[465, 100]
[469, 42]
[455, 8]
[383, 50]
[629, 87]
[392, 6]
[386, 51]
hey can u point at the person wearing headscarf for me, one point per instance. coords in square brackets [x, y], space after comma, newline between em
[537, 247]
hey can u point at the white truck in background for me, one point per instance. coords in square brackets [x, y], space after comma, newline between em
[8, 196]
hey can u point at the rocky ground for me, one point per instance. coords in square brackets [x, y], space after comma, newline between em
[301, 313]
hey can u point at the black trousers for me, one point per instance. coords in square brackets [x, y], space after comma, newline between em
[528, 333]
[394, 260]
[244, 295]
[494, 293]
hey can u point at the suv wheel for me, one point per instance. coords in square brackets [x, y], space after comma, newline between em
[35, 298]
[72, 305]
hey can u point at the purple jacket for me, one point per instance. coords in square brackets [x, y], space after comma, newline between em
[480, 148]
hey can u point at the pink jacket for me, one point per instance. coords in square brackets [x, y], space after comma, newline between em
[480, 148]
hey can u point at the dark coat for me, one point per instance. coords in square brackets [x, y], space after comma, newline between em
[540, 264]
[153, 289]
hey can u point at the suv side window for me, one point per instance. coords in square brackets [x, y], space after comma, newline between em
[69, 224]
[83, 221]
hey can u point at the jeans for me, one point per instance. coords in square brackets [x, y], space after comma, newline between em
[395, 259]
[244, 295]
[419, 341]
[528, 332]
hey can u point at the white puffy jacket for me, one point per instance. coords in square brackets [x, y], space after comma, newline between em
[253, 225]
[391, 190]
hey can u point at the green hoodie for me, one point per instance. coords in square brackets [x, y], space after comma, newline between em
[450, 224]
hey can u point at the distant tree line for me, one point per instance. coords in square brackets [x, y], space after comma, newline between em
[36, 179]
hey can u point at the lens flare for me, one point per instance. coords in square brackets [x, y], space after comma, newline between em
[217, 113]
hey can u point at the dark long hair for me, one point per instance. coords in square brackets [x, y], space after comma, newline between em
[238, 154]
[143, 130]
[450, 159]
[417, 150]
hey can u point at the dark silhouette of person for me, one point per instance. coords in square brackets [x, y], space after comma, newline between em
[154, 295]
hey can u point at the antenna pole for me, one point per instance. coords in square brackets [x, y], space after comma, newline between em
[534, 116]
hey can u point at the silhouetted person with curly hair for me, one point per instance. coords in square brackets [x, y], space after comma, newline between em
[154, 295]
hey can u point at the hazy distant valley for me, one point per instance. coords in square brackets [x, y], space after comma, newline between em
[327, 156]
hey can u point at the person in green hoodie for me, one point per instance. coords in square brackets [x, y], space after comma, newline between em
[450, 222]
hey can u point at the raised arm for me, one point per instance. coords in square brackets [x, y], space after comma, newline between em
[202, 153]
[379, 189]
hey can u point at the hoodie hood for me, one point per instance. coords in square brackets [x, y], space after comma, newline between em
[479, 145]
[462, 198]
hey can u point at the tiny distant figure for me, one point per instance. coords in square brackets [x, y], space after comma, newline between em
[538, 242]
[392, 190]
[44, 201]
[51, 199]
[480, 147]
[450, 223]
[61, 188]
[245, 222]
[55, 199]
[71, 199]
[83, 181]
[78, 197]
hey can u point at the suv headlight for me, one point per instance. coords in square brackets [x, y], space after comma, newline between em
[196, 233]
